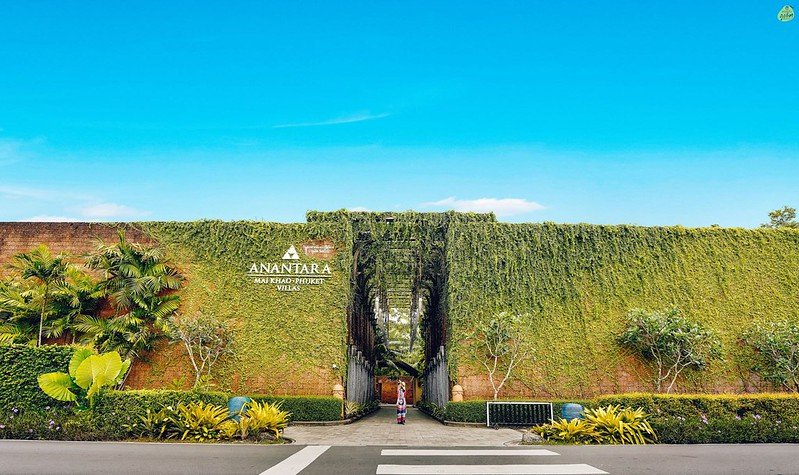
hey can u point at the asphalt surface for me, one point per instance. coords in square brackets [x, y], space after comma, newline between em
[49, 457]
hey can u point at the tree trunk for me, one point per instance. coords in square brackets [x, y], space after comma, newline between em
[41, 316]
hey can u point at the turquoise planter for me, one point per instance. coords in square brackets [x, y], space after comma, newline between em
[235, 404]
[571, 411]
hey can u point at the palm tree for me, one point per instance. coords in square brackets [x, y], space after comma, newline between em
[19, 311]
[137, 282]
[136, 277]
[47, 270]
[78, 296]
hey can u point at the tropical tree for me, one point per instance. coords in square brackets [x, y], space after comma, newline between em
[784, 217]
[19, 313]
[136, 281]
[205, 340]
[502, 346]
[78, 296]
[670, 342]
[776, 352]
[24, 300]
[49, 271]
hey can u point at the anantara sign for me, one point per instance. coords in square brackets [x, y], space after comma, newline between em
[291, 275]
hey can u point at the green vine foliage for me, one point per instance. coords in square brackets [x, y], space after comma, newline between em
[400, 258]
[21, 365]
[578, 281]
[285, 342]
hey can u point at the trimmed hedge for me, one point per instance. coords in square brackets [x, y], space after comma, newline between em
[685, 418]
[306, 408]
[20, 365]
[707, 419]
[475, 410]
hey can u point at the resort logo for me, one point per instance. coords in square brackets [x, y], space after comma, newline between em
[291, 254]
[289, 276]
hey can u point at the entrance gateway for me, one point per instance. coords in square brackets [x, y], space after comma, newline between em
[396, 318]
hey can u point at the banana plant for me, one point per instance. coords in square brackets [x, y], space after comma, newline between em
[88, 374]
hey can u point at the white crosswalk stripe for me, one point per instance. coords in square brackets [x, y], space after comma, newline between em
[481, 469]
[297, 462]
[465, 453]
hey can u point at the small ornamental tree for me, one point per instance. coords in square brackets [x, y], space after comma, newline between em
[670, 342]
[501, 347]
[776, 352]
[205, 340]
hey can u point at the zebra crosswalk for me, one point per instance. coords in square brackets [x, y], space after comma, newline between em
[423, 461]
[464, 455]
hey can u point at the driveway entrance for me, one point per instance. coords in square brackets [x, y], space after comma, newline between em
[421, 430]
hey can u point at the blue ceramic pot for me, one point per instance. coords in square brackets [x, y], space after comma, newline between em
[571, 411]
[235, 404]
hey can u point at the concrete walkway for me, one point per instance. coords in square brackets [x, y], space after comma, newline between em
[381, 428]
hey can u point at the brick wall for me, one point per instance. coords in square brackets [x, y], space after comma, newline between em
[167, 364]
[73, 238]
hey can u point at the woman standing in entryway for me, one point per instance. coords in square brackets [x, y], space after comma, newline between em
[401, 407]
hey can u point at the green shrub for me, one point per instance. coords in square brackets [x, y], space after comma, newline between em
[306, 408]
[575, 431]
[88, 374]
[466, 411]
[614, 425]
[151, 424]
[198, 421]
[20, 366]
[689, 419]
[604, 425]
[431, 409]
[116, 411]
[475, 410]
[701, 419]
[262, 418]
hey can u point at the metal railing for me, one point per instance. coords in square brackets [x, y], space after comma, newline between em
[517, 413]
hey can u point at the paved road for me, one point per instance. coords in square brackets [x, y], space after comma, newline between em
[48, 457]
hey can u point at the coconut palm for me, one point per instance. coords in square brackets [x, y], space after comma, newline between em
[41, 267]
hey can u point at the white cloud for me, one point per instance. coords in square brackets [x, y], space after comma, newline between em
[42, 218]
[359, 209]
[17, 192]
[14, 192]
[360, 117]
[111, 210]
[499, 206]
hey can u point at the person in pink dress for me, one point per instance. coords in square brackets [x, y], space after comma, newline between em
[401, 407]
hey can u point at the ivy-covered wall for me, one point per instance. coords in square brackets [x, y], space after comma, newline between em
[285, 342]
[578, 281]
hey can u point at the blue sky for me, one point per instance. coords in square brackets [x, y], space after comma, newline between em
[604, 112]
